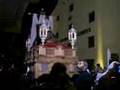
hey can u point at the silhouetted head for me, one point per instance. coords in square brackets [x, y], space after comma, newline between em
[58, 68]
[98, 64]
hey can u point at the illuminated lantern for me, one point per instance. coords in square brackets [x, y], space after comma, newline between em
[43, 31]
[72, 36]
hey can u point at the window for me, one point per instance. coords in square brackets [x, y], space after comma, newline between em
[91, 16]
[71, 7]
[69, 18]
[58, 18]
[91, 41]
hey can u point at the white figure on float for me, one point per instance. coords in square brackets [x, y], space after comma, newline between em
[72, 36]
[39, 21]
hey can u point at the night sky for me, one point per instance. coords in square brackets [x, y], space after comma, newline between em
[12, 46]
[11, 11]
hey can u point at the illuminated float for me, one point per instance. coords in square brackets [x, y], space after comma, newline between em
[42, 56]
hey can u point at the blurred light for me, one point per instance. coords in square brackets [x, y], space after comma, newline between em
[100, 58]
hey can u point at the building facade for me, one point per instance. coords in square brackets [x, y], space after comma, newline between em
[97, 25]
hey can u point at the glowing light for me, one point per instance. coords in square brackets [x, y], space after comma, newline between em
[72, 36]
[100, 58]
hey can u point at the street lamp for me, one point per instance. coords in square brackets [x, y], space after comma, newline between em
[72, 36]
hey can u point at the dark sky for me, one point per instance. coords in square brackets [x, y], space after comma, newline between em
[13, 10]
[10, 12]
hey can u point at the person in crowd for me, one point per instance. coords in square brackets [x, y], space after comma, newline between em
[83, 80]
[98, 68]
[57, 79]
[98, 72]
[110, 79]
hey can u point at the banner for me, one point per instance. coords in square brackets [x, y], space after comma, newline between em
[39, 21]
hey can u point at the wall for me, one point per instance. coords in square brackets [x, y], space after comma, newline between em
[105, 28]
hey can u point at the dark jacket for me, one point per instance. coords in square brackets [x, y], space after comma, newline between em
[84, 81]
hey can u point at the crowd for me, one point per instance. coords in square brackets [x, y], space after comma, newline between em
[58, 78]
